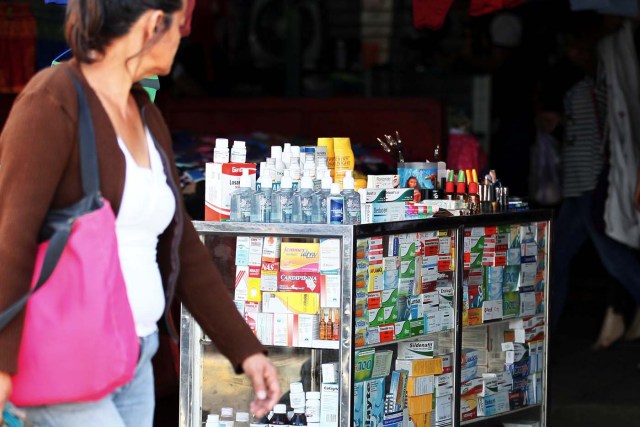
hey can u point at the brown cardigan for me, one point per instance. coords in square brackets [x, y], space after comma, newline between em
[40, 170]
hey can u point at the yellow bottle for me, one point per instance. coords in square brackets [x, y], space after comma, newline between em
[331, 158]
[344, 158]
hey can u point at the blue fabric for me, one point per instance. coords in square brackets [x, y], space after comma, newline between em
[573, 226]
[62, 2]
[132, 405]
[609, 7]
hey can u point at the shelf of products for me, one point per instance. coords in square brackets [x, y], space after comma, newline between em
[403, 313]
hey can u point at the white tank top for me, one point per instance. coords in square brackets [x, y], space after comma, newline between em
[147, 207]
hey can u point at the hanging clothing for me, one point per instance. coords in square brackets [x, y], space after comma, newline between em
[620, 66]
[430, 13]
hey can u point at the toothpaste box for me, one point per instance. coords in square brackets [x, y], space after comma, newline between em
[469, 373]
[255, 252]
[403, 329]
[242, 283]
[376, 278]
[417, 327]
[515, 352]
[491, 310]
[300, 257]
[399, 195]
[264, 328]
[373, 401]
[408, 269]
[418, 386]
[222, 179]
[269, 276]
[384, 212]
[383, 181]
[398, 390]
[494, 404]
[443, 410]
[511, 278]
[445, 318]
[383, 315]
[406, 287]
[289, 281]
[387, 332]
[473, 386]
[420, 368]
[469, 357]
[358, 406]
[372, 195]
[290, 302]
[295, 330]
[242, 251]
[254, 284]
[444, 384]
[389, 298]
[330, 256]
[330, 295]
[416, 350]
[527, 303]
[469, 407]
[432, 322]
[330, 402]
[510, 304]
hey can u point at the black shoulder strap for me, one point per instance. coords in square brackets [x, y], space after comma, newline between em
[62, 226]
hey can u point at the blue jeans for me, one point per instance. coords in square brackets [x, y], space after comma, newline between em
[131, 405]
[573, 226]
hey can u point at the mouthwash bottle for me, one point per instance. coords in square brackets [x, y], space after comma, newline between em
[282, 201]
[335, 204]
[241, 200]
[320, 200]
[351, 200]
[261, 203]
[303, 202]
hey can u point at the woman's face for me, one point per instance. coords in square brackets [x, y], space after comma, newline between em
[412, 182]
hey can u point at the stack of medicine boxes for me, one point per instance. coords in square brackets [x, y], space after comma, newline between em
[281, 287]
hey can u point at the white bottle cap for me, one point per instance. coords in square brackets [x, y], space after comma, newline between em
[306, 182]
[335, 188]
[299, 410]
[327, 181]
[222, 143]
[265, 179]
[295, 151]
[348, 182]
[286, 181]
[245, 179]
[280, 409]
[296, 388]
[213, 418]
[226, 412]
[242, 417]
[271, 161]
[315, 395]
[287, 148]
[276, 152]
[294, 172]
[239, 144]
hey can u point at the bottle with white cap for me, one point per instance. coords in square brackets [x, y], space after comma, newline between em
[295, 156]
[286, 155]
[242, 419]
[213, 420]
[335, 208]
[299, 418]
[241, 199]
[303, 202]
[261, 203]
[226, 417]
[221, 151]
[238, 152]
[351, 200]
[295, 174]
[276, 153]
[320, 200]
[282, 201]
[279, 416]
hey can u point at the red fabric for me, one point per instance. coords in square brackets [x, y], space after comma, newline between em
[17, 46]
[430, 13]
[484, 7]
[464, 152]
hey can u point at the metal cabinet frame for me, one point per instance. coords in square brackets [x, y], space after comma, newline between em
[191, 339]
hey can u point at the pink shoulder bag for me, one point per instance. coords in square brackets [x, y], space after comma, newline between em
[79, 341]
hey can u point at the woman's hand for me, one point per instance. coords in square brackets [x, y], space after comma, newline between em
[264, 377]
[5, 391]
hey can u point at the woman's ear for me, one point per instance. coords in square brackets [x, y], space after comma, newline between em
[155, 25]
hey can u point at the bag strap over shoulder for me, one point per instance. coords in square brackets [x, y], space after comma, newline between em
[62, 226]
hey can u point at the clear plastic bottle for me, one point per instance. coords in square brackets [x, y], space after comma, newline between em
[294, 173]
[279, 416]
[310, 167]
[282, 201]
[241, 199]
[242, 419]
[335, 205]
[352, 211]
[299, 418]
[226, 417]
[320, 200]
[303, 202]
[221, 151]
[261, 203]
[238, 152]
[213, 420]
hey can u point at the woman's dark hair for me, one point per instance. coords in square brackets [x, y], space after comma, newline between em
[91, 25]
